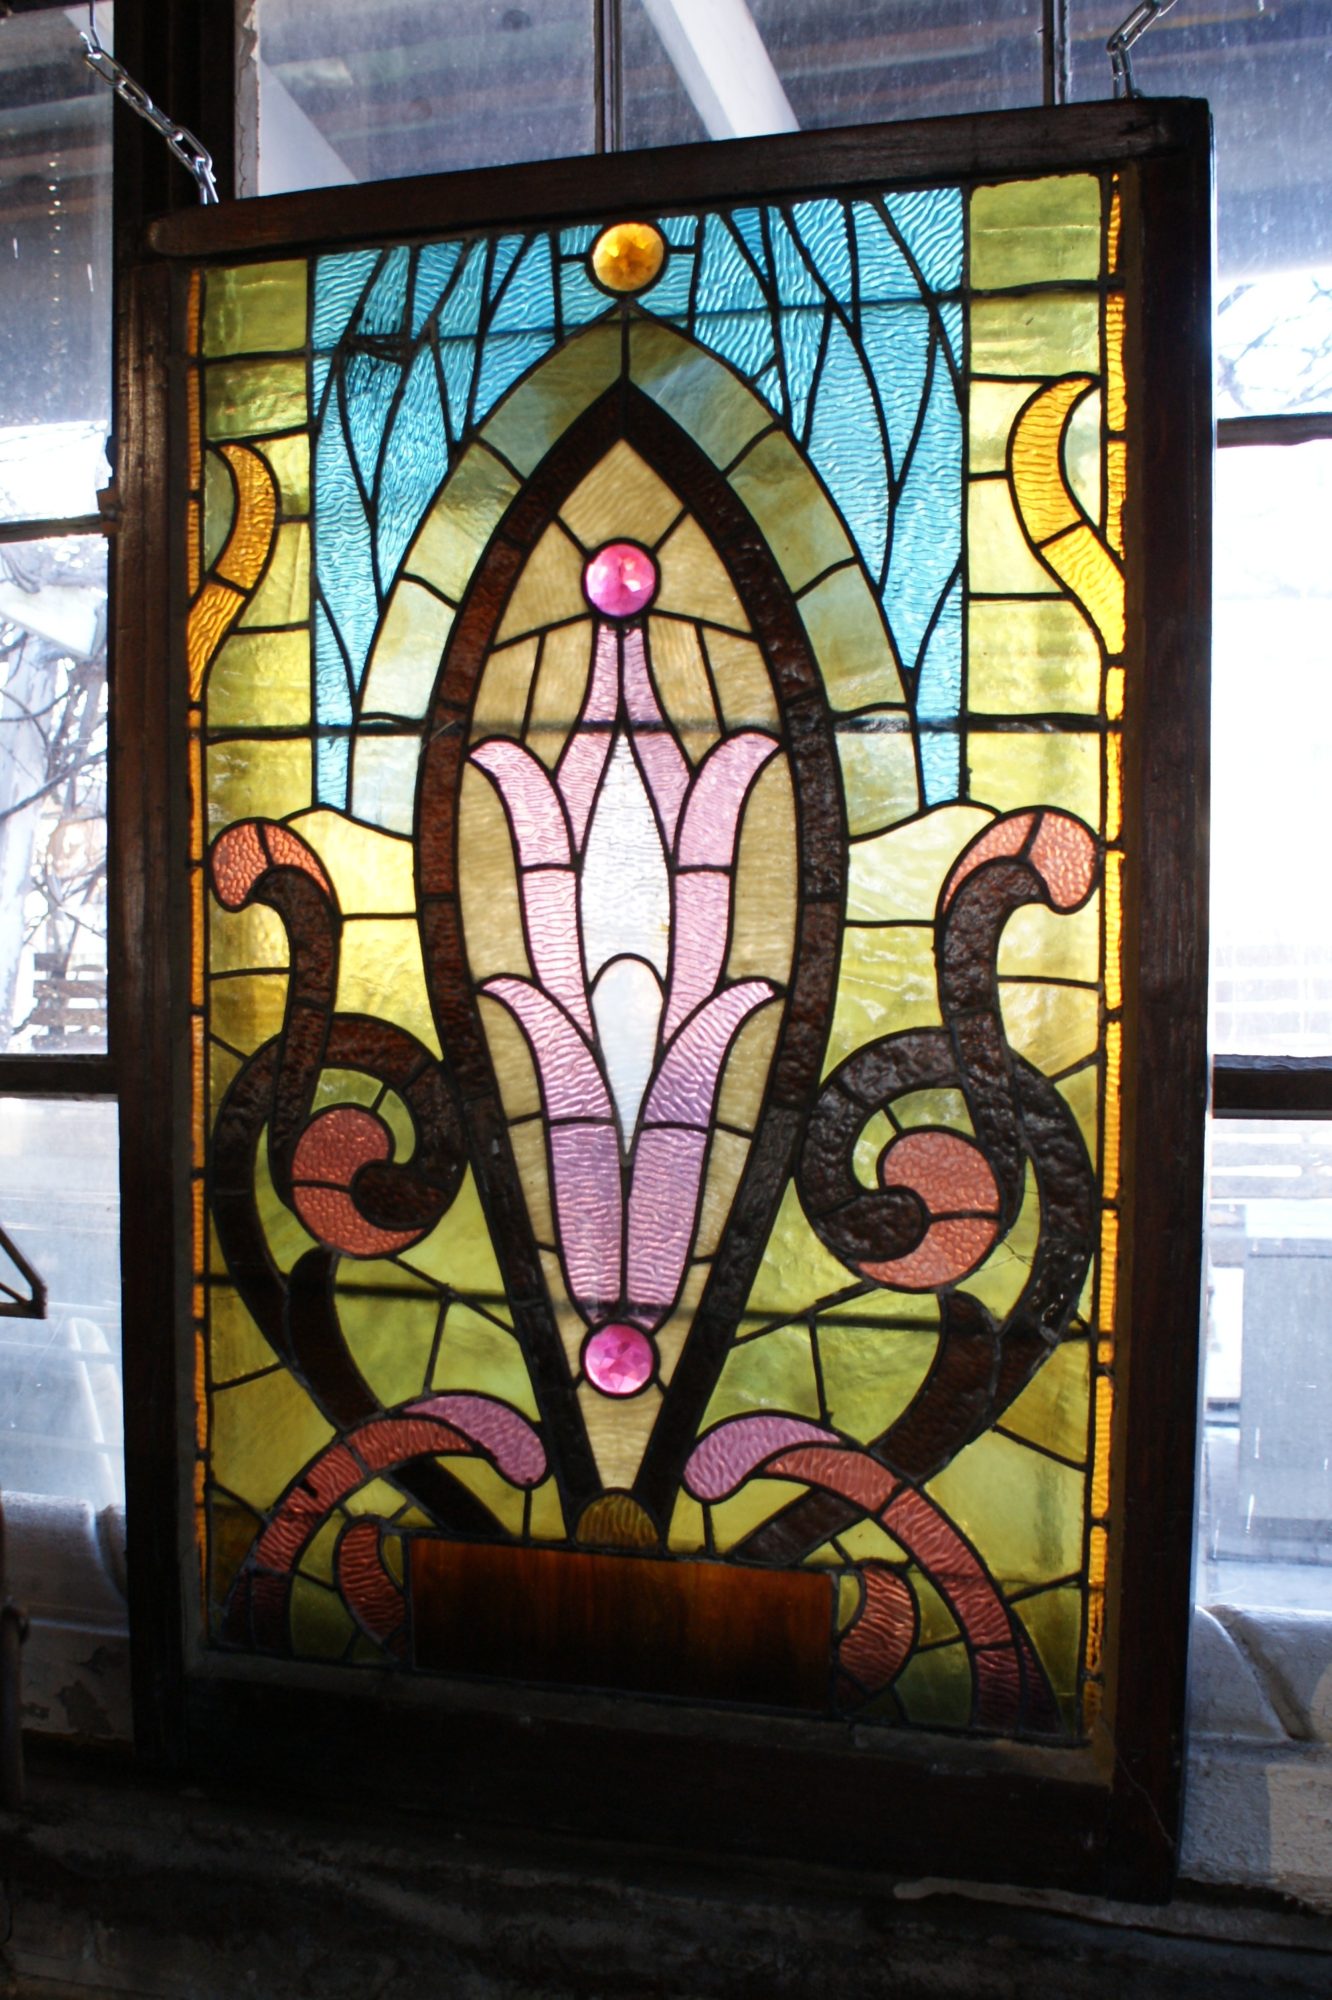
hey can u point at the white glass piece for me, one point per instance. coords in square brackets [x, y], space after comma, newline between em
[626, 1006]
[625, 892]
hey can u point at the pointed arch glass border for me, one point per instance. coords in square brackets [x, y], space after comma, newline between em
[671, 700]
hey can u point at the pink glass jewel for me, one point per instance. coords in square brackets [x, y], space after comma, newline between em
[620, 580]
[618, 1360]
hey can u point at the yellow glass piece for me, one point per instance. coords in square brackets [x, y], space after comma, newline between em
[1023, 1511]
[1116, 483]
[879, 782]
[1114, 1060]
[1114, 785]
[529, 1147]
[549, 589]
[627, 256]
[764, 906]
[744, 687]
[888, 981]
[1081, 1093]
[1058, 769]
[1080, 560]
[1043, 944]
[263, 1432]
[617, 1521]
[1035, 232]
[1053, 1619]
[197, 1089]
[235, 1344]
[796, 1270]
[991, 413]
[370, 871]
[193, 547]
[222, 1067]
[1103, 1423]
[683, 685]
[253, 398]
[317, 1562]
[871, 1373]
[671, 1336]
[936, 1620]
[1039, 333]
[731, 1520]
[704, 397]
[1098, 1562]
[255, 308]
[211, 617]
[545, 1519]
[390, 1345]
[487, 883]
[247, 1010]
[1082, 454]
[794, 516]
[251, 537]
[726, 1162]
[618, 1429]
[694, 582]
[999, 559]
[384, 775]
[747, 1071]
[851, 645]
[478, 1356]
[219, 505]
[621, 496]
[289, 458]
[1114, 229]
[999, 1281]
[1045, 505]
[285, 1236]
[1116, 398]
[511, 1058]
[775, 1371]
[866, 1542]
[260, 680]
[501, 696]
[687, 1533]
[321, 1625]
[1028, 657]
[264, 778]
[458, 1250]
[193, 430]
[283, 598]
[934, 1688]
[896, 877]
[1108, 1275]
[566, 655]
[380, 973]
[1053, 1408]
[539, 411]
[1114, 693]
[376, 1499]
[1052, 1026]
[1114, 928]
[933, 1107]
[196, 936]
[461, 522]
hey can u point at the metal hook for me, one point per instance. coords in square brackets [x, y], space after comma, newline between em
[1130, 30]
[191, 152]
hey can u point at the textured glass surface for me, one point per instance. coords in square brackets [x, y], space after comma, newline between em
[657, 927]
[1266, 1497]
[60, 1406]
[53, 776]
[1267, 72]
[55, 302]
[1271, 937]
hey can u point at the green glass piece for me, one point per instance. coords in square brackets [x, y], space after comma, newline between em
[796, 1271]
[458, 1252]
[461, 522]
[795, 518]
[321, 1625]
[289, 459]
[390, 1344]
[896, 876]
[257, 778]
[476, 1355]
[253, 398]
[236, 1347]
[870, 1374]
[1032, 658]
[888, 981]
[878, 763]
[283, 597]
[1039, 333]
[260, 680]
[536, 414]
[1035, 231]
[850, 642]
[1053, 1408]
[1063, 769]
[775, 1371]
[934, 1688]
[255, 308]
[1053, 1620]
[262, 1432]
[1024, 1512]
[702, 395]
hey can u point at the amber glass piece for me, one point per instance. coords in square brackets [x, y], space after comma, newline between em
[628, 256]
[1101, 1428]
[1116, 401]
[1035, 231]
[193, 431]
[193, 550]
[1116, 483]
[1114, 694]
[1106, 1288]
[1082, 561]
[1114, 228]
[1043, 498]
[251, 537]
[1114, 928]
[211, 616]
[1114, 785]
[1114, 1057]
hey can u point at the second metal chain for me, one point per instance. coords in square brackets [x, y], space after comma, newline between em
[191, 152]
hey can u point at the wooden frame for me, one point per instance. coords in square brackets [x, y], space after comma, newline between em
[1102, 1819]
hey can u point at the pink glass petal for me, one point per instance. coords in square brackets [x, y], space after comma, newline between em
[532, 802]
[571, 1084]
[578, 772]
[700, 934]
[727, 1455]
[550, 907]
[502, 1433]
[620, 580]
[668, 1166]
[663, 762]
[585, 1164]
[716, 798]
[618, 1360]
[686, 1086]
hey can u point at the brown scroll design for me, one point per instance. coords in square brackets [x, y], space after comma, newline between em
[946, 1199]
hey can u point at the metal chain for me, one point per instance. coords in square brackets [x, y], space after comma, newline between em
[1130, 30]
[191, 152]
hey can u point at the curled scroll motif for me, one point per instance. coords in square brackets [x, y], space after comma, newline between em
[238, 568]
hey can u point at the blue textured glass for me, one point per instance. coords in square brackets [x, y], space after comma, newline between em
[939, 686]
[504, 249]
[504, 357]
[339, 282]
[580, 299]
[343, 555]
[846, 447]
[797, 285]
[457, 361]
[927, 529]
[321, 366]
[368, 388]
[435, 265]
[822, 229]
[930, 220]
[332, 770]
[802, 341]
[669, 297]
[883, 269]
[333, 695]
[461, 310]
[940, 766]
[528, 300]
[385, 308]
[896, 340]
[415, 460]
[679, 229]
[578, 241]
[769, 386]
[749, 223]
[743, 339]
[726, 281]
[950, 314]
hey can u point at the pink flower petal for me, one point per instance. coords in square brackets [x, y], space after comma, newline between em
[668, 1166]
[585, 1168]
[550, 909]
[686, 1086]
[501, 1432]
[716, 798]
[578, 772]
[726, 1457]
[571, 1083]
[660, 757]
[700, 933]
[531, 801]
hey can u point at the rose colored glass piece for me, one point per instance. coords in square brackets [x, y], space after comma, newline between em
[532, 802]
[585, 1162]
[717, 796]
[620, 580]
[686, 1085]
[853, 1474]
[950, 1174]
[335, 1143]
[661, 757]
[999, 841]
[550, 905]
[876, 1648]
[1064, 856]
[946, 1252]
[668, 1166]
[579, 770]
[618, 1360]
[501, 1432]
[570, 1084]
[698, 944]
[237, 860]
[727, 1455]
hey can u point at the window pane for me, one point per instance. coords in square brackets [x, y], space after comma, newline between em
[60, 1408]
[1272, 738]
[699, 72]
[55, 247]
[1268, 73]
[1265, 1516]
[348, 92]
[53, 795]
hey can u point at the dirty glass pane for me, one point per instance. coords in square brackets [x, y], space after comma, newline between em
[727, 71]
[55, 255]
[353, 93]
[1265, 1508]
[1267, 71]
[60, 1403]
[1272, 751]
[53, 795]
